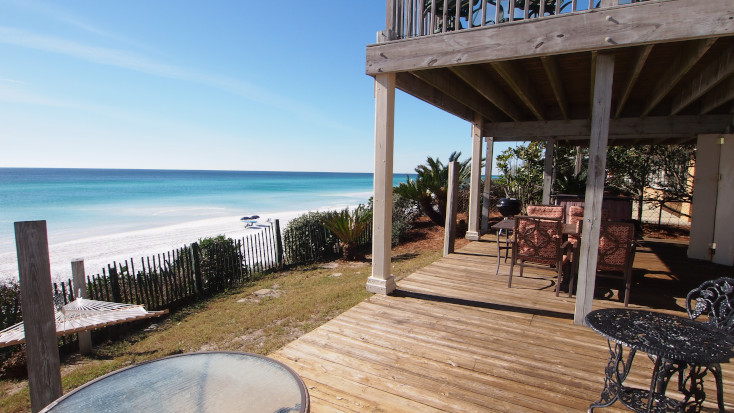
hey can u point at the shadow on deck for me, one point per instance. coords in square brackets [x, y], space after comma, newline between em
[454, 338]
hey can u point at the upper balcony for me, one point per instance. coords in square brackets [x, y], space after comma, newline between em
[414, 18]
[524, 64]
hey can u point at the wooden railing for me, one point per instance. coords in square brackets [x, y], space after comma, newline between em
[415, 18]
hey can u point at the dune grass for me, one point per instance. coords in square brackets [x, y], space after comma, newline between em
[298, 301]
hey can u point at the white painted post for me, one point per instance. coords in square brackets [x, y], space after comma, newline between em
[548, 170]
[589, 248]
[705, 188]
[36, 299]
[80, 291]
[476, 178]
[381, 281]
[487, 184]
[449, 237]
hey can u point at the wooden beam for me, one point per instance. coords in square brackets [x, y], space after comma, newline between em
[712, 75]
[680, 66]
[473, 232]
[717, 97]
[636, 24]
[429, 94]
[643, 53]
[381, 281]
[489, 158]
[452, 198]
[662, 125]
[448, 83]
[80, 290]
[478, 79]
[42, 349]
[548, 170]
[594, 55]
[515, 76]
[550, 64]
[589, 246]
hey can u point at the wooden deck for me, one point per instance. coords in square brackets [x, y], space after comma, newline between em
[455, 338]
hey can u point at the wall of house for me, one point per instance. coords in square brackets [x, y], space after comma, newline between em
[713, 200]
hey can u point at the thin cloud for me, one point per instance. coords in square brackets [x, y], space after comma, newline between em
[132, 61]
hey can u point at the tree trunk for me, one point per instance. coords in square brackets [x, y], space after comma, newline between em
[640, 198]
[435, 217]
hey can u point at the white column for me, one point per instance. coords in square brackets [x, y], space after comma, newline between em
[476, 178]
[489, 158]
[80, 291]
[381, 281]
[449, 237]
[550, 145]
[594, 186]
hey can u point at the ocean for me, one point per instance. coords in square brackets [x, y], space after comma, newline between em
[84, 203]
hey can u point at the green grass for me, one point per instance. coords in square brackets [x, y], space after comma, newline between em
[235, 320]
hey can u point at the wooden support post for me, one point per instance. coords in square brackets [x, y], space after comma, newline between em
[198, 278]
[579, 161]
[79, 281]
[381, 281]
[548, 170]
[594, 186]
[475, 179]
[278, 245]
[452, 198]
[486, 201]
[36, 298]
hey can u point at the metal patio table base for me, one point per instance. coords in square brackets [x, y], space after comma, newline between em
[654, 399]
[678, 346]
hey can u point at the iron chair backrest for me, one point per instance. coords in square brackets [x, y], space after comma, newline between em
[616, 246]
[715, 299]
[538, 238]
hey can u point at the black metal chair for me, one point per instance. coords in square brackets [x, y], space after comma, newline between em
[714, 299]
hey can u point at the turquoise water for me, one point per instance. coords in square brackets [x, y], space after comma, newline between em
[78, 203]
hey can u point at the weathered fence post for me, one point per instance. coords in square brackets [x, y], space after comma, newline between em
[42, 351]
[80, 288]
[278, 245]
[115, 284]
[196, 252]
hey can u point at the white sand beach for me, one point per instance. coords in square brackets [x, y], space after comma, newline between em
[99, 251]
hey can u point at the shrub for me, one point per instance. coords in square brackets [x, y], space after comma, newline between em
[221, 263]
[349, 227]
[305, 239]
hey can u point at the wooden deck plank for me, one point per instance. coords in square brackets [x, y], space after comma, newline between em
[454, 338]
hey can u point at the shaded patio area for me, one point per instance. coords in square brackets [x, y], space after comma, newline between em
[454, 338]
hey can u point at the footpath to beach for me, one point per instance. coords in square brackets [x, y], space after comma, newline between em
[99, 251]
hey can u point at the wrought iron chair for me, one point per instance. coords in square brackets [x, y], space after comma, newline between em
[617, 253]
[546, 211]
[714, 299]
[539, 240]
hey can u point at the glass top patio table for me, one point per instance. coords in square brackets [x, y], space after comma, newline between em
[201, 382]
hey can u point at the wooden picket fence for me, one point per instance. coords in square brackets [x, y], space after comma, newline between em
[178, 277]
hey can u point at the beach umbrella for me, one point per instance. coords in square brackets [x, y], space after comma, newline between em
[82, 315]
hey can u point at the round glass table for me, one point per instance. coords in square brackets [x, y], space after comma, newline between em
[201, 382]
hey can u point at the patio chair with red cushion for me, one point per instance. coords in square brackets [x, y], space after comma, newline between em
[617, 253]
[539, 240]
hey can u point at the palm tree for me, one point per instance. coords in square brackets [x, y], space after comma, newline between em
[430, 188]
[348, 227]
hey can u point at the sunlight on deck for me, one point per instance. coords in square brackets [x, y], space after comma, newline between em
[455, 338]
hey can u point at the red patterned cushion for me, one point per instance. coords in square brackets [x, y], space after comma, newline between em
[613, 246]
[546, 211]
[537, 240]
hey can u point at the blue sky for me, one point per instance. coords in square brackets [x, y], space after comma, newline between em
[237, 85]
